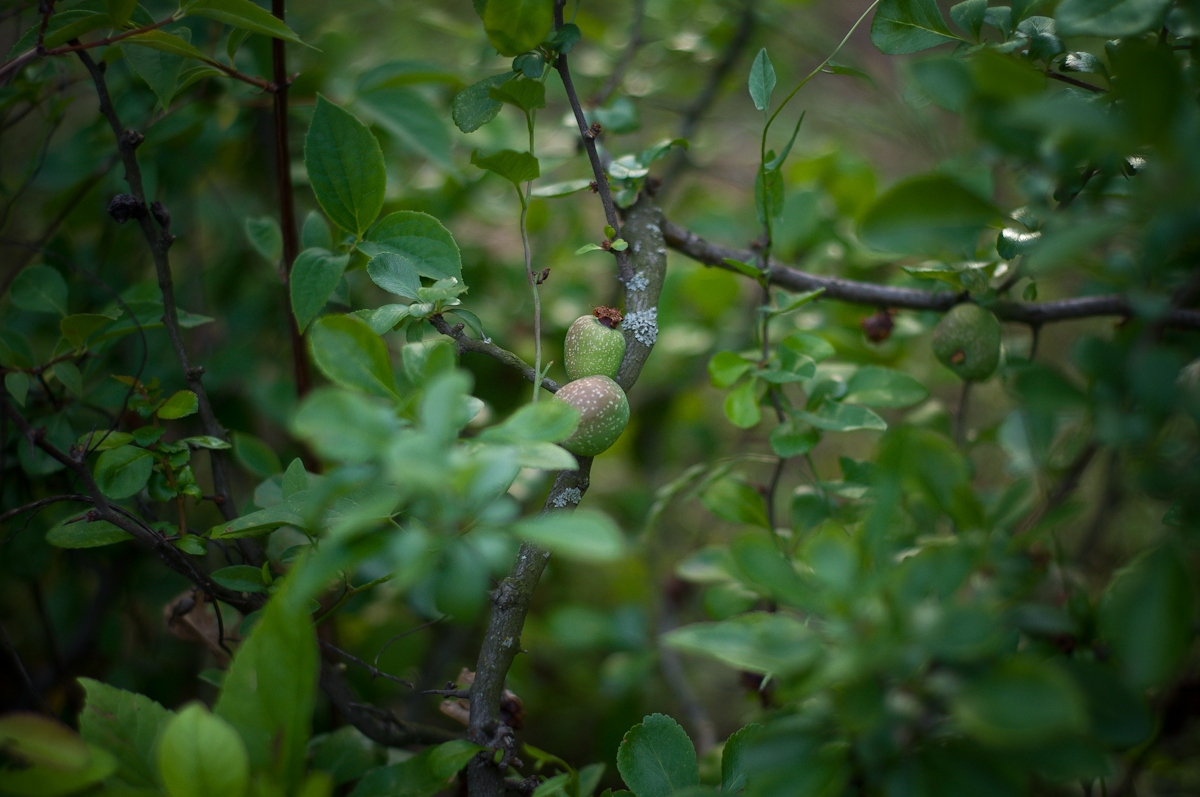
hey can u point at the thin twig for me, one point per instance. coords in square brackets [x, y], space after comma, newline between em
[588, 135]
[626, 59]
[960, 422]
[1063, 490]
[42, 503]
[700, 105]
[24, 673]
[403, 634]
[1079, 84]
[159, 244]
[287, 202]
[374, 671]
[464, 344]
[885, 296]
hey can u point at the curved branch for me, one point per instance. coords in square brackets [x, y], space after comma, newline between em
[885, 296]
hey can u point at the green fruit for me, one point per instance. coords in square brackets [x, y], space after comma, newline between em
[603, 414]
[594, 346]
[967, 341]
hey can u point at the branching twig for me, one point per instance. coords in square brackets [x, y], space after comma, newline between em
[374, 671]
[44, 502]
[588, 136]
[885, 296]
[159, 243]
[465, 344]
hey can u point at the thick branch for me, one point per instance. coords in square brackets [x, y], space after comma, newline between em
[643, 232]
[885, 296]
[160, 243]
[464, 344]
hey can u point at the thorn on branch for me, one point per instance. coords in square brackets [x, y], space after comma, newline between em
[124, 207]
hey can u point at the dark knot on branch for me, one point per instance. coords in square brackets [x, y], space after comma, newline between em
[124, 207]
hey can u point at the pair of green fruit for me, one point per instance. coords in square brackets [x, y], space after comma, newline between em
[594, 350]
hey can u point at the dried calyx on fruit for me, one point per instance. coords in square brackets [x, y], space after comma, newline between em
[603, 414]
[967, 341]
[594, 346]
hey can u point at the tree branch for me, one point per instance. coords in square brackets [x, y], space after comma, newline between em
[160, 243]
[287, 205]
[588, 136]
[464, 344]
[884, 296]
[380, 725]
[44, 502]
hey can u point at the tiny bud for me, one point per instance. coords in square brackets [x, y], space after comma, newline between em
[594, 187]
[878, 327]
[543, 276]
[124, 207]
[652, 185]
[132, 138]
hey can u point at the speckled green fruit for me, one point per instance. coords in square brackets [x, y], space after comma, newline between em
[967, 341]
[603, 414]
[593, 348]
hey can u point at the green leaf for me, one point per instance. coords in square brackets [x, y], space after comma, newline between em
[1109, 19]
[778, 160]
[873, 386]
[926, 215]
[1147, 614]
[1022, 702]
[179, 405]
[656, 758]
[126, 724]
[17, 384]
[474, 106]
[798, 301]
[270, 689]
[345, 426]
[516, 167]
[352, 355]
[544, 422]
[423, 775]
[734, 767]
[54, 760]
[761, 567]
[907, 26]
[240, 578]
[78, 328]
[160, 69]
[84, 534]
[40, 289]
[345, 167]
[969, 16]
[561, 189]
[315, 232]
[741, 405]
[517, 26]
[201, 755]
[583, 535]
[63, 27]
[420, 240]
[315, 276]
[255, 455]
[836, 417]
[243, 14]
[735, 500]
[726, 368]
[523, 93]
[166, 42]
[804, 344]
[762, 80]
[790, 439]
[205, 441]
[123, 472]
[119, 11]
[760, 642]
[412, 121]
[266, 237]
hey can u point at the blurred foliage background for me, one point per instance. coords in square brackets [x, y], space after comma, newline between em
[1103, 387]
